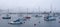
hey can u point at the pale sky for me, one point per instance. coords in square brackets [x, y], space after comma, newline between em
[32, 5]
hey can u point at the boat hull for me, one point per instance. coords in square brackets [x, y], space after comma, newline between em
[6, 17]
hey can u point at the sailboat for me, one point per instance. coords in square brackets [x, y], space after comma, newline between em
[27, 17]
[39, 13]
[7, 16]
[50, 17]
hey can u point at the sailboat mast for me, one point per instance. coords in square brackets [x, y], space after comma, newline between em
[51, 8]
[39, 9]
[7, 12]
[27, 11]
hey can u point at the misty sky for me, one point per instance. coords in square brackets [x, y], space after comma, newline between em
[32, 5]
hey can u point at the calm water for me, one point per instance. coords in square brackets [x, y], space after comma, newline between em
[29, 22]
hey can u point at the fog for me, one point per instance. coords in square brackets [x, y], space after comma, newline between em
[32, 5]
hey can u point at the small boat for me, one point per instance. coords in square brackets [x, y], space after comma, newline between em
[18, 21]
[38, 16]
[6, 17]
[27, 17]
